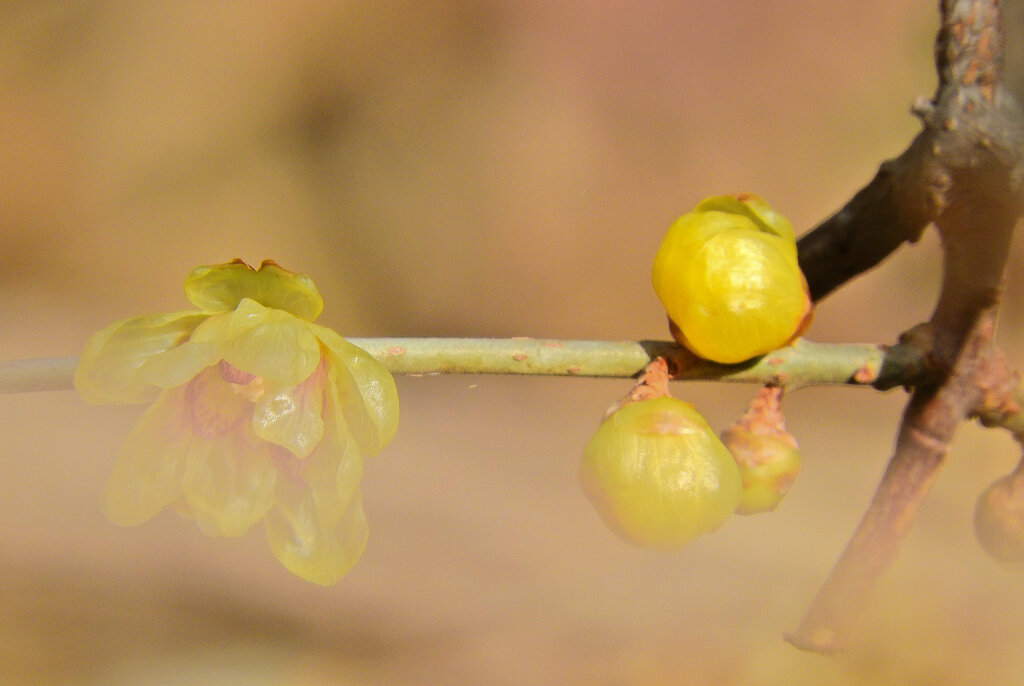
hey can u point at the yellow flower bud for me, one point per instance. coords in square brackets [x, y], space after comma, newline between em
[768, 466]
[765, 452]
[999, 519]
[658, 475]
[728, 277]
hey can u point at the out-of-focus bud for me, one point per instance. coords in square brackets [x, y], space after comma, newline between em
[999, 519]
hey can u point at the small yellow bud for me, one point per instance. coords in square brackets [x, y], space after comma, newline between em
[765, 452]
[658, 475]
[768, 465]
[728, 277]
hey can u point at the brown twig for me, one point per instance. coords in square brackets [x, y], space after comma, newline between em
[910, 191]
[891, 210]
[963, 173]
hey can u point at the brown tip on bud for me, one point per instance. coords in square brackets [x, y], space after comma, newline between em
[653, 383]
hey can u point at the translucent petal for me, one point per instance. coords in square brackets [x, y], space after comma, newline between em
[213, 330]
[292, 417]
[176, 366]
[362, 390]
[147, 474]
[266, 342]
[222, 287]
[318, 551]
[107, 367]
[333, 471]
[229, 484]
[215, 407]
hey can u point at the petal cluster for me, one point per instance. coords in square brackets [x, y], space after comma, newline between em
[259, 414]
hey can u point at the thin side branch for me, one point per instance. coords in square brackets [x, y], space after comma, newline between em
[802, 364]
[23, 376]
[876, 222]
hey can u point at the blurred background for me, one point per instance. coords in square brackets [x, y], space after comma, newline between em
[463, 168]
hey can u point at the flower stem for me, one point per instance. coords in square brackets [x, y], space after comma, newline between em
[801, 364]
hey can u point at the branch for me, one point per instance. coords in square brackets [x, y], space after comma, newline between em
[802, 364]
[971, 114]
[968, 164]
[894, 208]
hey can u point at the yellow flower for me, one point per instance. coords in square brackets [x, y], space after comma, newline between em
[259, 414]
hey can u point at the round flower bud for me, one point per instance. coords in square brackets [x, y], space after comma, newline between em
[728, 277]
[658, 475]
[999, 520]
[768, 466]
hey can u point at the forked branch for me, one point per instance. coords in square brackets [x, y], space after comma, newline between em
[963, 173]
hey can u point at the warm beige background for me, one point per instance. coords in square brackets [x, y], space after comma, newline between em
[462, 168]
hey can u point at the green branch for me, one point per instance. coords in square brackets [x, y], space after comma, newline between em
[802, 364]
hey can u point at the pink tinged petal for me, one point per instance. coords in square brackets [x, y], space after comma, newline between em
[293, 417]
[228, 484]
[234, 375]
[318, 529]
[244, 384]
[108, 366]
[310, 547]
[148, 471]
[214, 407]
[363, 391]
[333, 471]
[265, 342]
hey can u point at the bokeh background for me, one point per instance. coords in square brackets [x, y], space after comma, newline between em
[463, 168]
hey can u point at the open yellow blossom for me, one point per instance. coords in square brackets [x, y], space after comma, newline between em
[259, 414]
